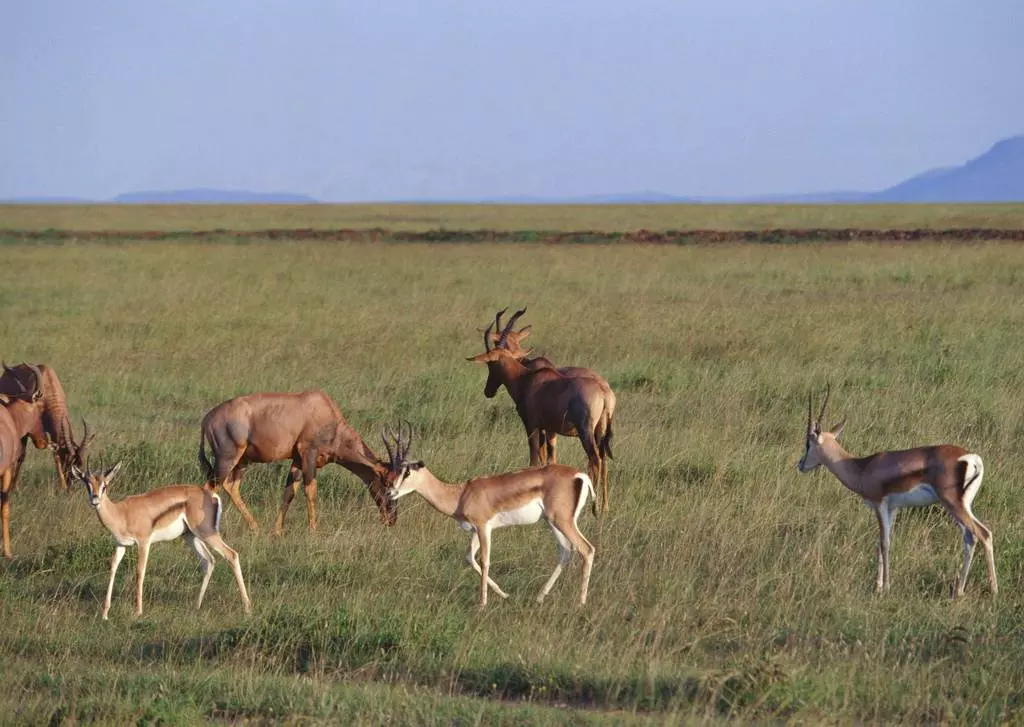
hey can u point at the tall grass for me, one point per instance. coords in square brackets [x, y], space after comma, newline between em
[726, 584]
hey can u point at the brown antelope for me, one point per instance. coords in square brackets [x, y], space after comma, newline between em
[56, 422]
[555, 492]
[889, 481]
[166, 513]
[306, 428]
[512, 341]
[552, 403]
[20, 418]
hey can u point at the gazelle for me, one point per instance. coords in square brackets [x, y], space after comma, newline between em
[550, 403]
[166, 513]
[889, 481]
[505, 337]
[555, 492]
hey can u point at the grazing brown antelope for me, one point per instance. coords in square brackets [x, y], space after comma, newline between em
[512, 341]
[555, 492]
[57, 431]
[20, 418]
[552, 403]
[889, 481]
[166, 513]
[306, 428]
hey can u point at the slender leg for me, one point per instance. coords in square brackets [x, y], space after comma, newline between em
[310, 490]
[291, 487]
[969, 542]
[885, 518]
[474, 546]
[5, 511]
[604, 481]
[485, 558]
[586, 549]
[564, 556]
[232, 486]
[206, 561]
[231, 556]
[140, 575]
[990, 556]
[535, 448]
[115, 562]
[552, 446]
[61, 475]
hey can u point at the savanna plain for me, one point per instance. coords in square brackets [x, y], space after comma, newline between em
[726, 584]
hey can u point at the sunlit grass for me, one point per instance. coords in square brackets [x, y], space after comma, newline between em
[725, 584]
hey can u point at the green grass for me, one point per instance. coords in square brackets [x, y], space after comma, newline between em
[419, 217]
[726, 584]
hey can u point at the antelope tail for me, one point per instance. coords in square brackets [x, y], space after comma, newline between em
[204, 463]
[606, 441]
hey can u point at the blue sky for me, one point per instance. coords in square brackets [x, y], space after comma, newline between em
[353, 101]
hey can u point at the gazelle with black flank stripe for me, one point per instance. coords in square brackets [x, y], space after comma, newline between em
[889, 481]
[166, 513]
[555, 492]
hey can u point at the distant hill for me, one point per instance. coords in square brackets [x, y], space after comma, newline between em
[995, 176]
[211, 196]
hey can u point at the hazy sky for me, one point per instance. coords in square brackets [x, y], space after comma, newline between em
[435, 98]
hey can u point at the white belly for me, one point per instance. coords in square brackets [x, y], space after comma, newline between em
[172, 530]
[921, 496]
[525, 515]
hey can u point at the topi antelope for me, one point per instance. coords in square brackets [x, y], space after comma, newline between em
[505, 337]
[166, 513]
[889, 481]
[306, 428]
[56, 422]
[20, 418]
[556, 493]
[554, 404]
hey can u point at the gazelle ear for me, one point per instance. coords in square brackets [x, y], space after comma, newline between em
[112, 472]
[837, 430]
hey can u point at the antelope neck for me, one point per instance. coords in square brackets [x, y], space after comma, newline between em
[442, 496]
[841, 464]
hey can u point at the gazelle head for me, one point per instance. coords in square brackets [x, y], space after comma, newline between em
[498, 343]
[817, 436]
[96, 483]
[406, 474]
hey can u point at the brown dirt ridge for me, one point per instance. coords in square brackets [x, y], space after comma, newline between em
[642, 236]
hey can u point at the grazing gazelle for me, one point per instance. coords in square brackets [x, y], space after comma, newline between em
[888, 481]
[166, 513]
[555, 492]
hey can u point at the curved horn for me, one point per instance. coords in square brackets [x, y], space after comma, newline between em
[508, 327]
[497, 318]
[487, 337]
[810, 422]
[387, 445]
[408, 444]
[4, 399]
[83, 445]
[821, 414]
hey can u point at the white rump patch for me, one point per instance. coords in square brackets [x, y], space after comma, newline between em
[972, 478]
[920, 496]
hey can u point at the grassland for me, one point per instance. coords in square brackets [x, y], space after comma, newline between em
[726, 584]
[562, 218]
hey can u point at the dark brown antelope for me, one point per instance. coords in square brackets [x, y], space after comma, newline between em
[888, 481]
[20, 418]
[552, 403]
[306, 428]
[166, 513]
[58, 434]
[555, 492]
[512, 341]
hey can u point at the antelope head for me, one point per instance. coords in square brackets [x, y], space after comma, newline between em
[96, 484]
[499, 342]
[406, 474]
[817, 436]
[76, 456]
